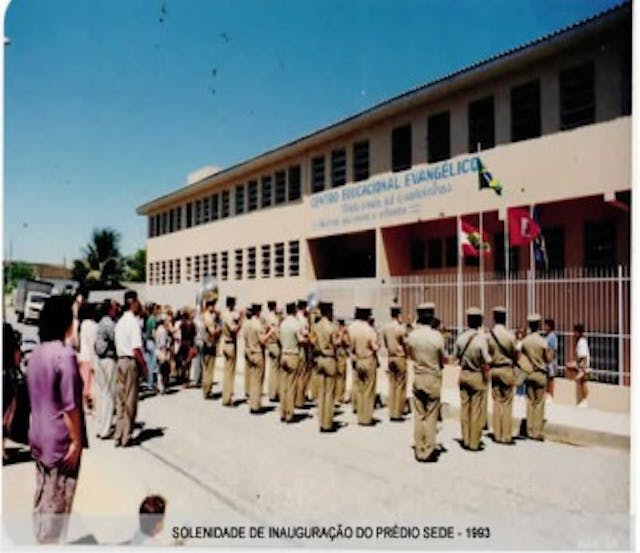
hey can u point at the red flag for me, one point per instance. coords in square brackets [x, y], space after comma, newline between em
[470, 242]
[522, 228]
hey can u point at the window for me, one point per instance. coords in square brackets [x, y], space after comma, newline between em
[177, 270]
[164, 272]
[196, 268]
[554, 244]
[625, 70]
[198, 216]
[187, 270]
[434, 253]
[417, 253]
[157, 225]
[171, 220]
[498, 251]
[205, 265]
[150, 225]
[401, 148]
[189, 215]
[599, 244]
[577, 96]
[317, 174]
[279, 259]
[361, 160]
[438, 137]
[238, 272]
[451, 253]
[252, 193]
[214, 265]
[481, 124]
[239, 199]
[215, 207]
[294, 258]
[178, 218]
[206, 213]
[281, 187]
[149, 273]
[170, 262]
[164, 223]
[525, 111]
[225, 265]
[338, 167]
[225, 204]
[251, 262]
[266, 261]
[267, 191]
[294, 183]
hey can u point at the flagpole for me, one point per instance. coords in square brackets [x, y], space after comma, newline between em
[481, 267]
[459, 279]
[506, 262]
[532, 266]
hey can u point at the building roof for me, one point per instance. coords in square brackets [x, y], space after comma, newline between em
[498, 63]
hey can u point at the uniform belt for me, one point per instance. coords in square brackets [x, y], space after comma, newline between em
[227, 341]
[471, 369]
[501, 365]
[421, 369]
[330, 356]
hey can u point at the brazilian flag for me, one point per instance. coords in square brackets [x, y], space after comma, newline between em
[487, 180]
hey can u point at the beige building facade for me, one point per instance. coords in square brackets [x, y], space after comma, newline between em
[377, 196]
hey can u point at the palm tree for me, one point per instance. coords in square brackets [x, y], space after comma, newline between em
[102, 261]
[136, 270]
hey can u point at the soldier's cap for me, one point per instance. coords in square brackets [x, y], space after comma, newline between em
[363, 312]
[534, 318]
[474, 311]
[324, 305]
[395, 310]
[301, 304]
[341, 319]
[256, 308]
[271, 304]
[426, 307]
[291, 305]
[231, 300]
[500, 309]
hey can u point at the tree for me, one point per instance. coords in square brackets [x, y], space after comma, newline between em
[102, 263]
[136, 267]
[15, 271]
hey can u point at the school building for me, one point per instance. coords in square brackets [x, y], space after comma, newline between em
[365, 210]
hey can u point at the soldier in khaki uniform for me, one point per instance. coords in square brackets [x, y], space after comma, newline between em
[502, 349]
[425, 347]
[342, 353]
[364, 345]
[472, 352]
[291, 340]
[270, 321]
[394, 336]
[255, 337]
[304, 367]
[210, 347]
[231, 323]
[326, 334]
[536, 354]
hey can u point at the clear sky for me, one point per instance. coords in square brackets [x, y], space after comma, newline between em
[110, 103]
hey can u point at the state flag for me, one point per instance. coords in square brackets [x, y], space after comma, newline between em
[522, 228]
[471, 244]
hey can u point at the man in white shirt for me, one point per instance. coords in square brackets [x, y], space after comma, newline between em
[583, 362]
[128, 338]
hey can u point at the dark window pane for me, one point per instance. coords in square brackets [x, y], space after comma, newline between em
[225, 204]
[338, 167]
[417, 253]
[252, 192]
[525, 111]
[438, 137]
[281, 187]
[434, 253]
[577, 96]
[294, 258]
[317, 174]
[171, 220]
[238, 272]
[266, 261]
[251, 262]
[599, 244]
[481, 124]
[279, 259]
[294, 183]
[150, 228]
[189, 215]
[239, 199]
[361, 160]
[178, 218]
[625, 69]
[401, 148]
[198, 217]
[451, 251]
[554, 243]
[267, 191]
[215, 207]
[225, 265]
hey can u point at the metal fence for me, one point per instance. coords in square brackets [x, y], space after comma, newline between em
[597, 298]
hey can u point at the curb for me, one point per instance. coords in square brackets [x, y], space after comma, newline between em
[561, 433]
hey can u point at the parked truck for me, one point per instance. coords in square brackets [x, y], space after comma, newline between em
[30, 297]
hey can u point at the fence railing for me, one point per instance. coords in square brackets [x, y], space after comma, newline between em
[597, 298]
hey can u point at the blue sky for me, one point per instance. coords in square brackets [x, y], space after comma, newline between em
[110, 103]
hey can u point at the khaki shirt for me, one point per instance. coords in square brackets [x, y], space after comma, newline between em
[394, 335]
[304, 323]
[325, 332]
[363, 339]
[508, 341]
[289, 330]
[426, 348]
[228, 322]
[209, 323]
[537, 350]
[270, 320]
[476, 353]
[251, 331]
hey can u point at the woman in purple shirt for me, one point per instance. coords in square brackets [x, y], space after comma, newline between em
[57, 433]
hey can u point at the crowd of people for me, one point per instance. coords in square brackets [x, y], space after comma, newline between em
[97, 359]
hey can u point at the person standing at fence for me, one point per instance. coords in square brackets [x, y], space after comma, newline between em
[273, 351]
[365, 346]
[581, 364]
[425, 347]
[394, 336]
[231, 324]
[537, 354]
[342, 353]
[502, 349]
[552, 367]
[472, 351]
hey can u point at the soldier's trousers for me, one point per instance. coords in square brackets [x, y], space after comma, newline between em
[397, 386]
[536, 383]
[326, 379]
[254, 365]
[302, 380]
[229, 352]
[341, 378]
[288, 373]
[426, 406]
[484, 414]
[208, 369]
[502, 390]
[273, 353]
[355, 386]
[314, 383]
[126, 399]
[472, 386]
[365, 389]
